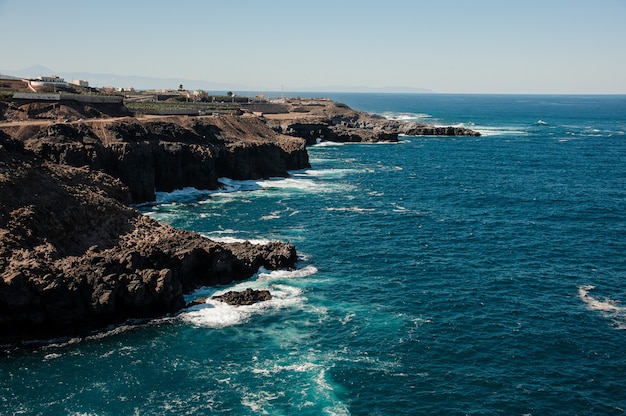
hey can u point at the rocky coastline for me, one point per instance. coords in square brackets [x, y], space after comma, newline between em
[75, 257]
[318, 120]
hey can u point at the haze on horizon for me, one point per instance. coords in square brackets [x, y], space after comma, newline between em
[447, 46]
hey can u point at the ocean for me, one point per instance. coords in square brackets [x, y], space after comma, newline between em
[437, 276]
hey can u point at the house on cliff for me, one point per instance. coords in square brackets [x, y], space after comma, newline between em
[52, 81]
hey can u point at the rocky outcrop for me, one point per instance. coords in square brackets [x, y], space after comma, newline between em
[324, 120]
[74, 257]
[170, 153]
[246, 297]
[418, 129]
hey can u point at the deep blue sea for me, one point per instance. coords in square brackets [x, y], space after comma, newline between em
[437, 276]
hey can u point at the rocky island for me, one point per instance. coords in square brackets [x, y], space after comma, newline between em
[75, 257]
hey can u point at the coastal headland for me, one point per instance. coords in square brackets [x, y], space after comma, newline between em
[76, 257]
[321, 119]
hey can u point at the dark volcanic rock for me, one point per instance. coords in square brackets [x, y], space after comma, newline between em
[321, 119]
[246, 297]
[417, 129]
[75, 258]
[160, 155]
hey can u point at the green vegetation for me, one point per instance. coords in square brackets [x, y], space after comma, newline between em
[174, 106]
[6, 96]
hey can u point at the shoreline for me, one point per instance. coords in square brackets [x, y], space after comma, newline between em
[76, 257]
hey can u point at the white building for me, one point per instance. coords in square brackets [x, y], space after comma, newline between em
[81, 83]
[52, 81]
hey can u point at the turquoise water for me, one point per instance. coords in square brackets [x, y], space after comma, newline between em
[437, 276]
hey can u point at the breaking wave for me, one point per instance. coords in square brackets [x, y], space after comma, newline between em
[216, 314]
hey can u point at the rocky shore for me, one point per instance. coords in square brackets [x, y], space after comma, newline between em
[75, 257]
[324, 120]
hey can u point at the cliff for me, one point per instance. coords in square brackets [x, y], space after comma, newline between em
[75, 257]
[166, 153]
[326, 120]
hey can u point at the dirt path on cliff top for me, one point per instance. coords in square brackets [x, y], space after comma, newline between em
[285, 116]
[84, 121]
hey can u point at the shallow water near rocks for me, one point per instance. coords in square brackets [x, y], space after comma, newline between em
[480, 275]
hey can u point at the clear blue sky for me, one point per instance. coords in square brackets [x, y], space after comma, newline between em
[452, 46]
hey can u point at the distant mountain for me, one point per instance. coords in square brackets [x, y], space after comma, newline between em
[35, 71]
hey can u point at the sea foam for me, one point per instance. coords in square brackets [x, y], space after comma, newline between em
[609, 308]
[216, 314]
[408, 117]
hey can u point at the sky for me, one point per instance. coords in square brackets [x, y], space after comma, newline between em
[446, 46]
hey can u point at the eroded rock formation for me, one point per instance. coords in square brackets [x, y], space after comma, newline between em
[74, 257]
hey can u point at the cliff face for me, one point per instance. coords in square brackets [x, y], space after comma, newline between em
[168, 154]
[74, 257]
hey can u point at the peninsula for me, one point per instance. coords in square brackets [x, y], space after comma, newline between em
[76, 257]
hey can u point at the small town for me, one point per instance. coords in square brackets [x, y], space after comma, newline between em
[52, 90]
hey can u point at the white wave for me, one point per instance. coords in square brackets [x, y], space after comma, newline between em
[319, 161]
[272, 216]
[247, 190]
[225, 231]
[541, 123]
[347, 318]
[232, 185]
[287, 274]
[290, 183]
[218, 239]
[349, 209]
[329, 173]
[399, 208]
[257, 402]
[407, 116]
[609, 308]
[294, 183]
[490, 131]
[483, 130]
[316, 385]
[180, 196]
[278, 368]
[496, 131]
[52, 356]
[216, 314]
[327, 143]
